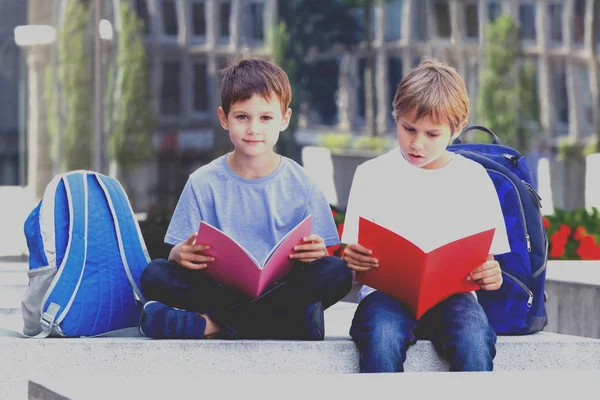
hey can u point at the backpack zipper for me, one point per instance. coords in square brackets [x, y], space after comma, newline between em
[527, 238]
[535, 195]
[514, 159]
[522, 286]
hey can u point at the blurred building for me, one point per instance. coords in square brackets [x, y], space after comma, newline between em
[12, 94]
[554, 35]
[188, 41]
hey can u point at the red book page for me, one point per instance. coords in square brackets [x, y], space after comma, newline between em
[235, 268]
[420, 280]
[400, 263]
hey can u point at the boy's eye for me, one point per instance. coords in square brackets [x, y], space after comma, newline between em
[266, 118]
[408, 128]
[241, 117]
[432, 134]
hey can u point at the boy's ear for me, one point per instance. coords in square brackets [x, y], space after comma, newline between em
[285, 122]
[223, 118]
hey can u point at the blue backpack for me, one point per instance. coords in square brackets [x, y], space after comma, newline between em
[86, 254]
[518, 307]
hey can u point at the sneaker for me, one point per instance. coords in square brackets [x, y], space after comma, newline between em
[159, 321]
[314, 322]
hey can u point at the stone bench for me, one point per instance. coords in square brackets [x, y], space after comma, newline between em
[137, 356]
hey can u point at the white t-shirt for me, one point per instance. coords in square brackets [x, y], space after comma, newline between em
[428, 207]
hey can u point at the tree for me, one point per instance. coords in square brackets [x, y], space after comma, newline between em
[132, 121]
[507, 93]
[74, 145]
[128, 114]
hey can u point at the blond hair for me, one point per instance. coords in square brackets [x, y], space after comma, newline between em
[433, 90]
[247, 77]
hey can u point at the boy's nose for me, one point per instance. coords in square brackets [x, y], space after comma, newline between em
[416, 145]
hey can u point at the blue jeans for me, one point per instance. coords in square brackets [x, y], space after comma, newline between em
[273, 315]
[458, 328]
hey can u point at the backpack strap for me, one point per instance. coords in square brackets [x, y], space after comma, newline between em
[56, 303]
[132, 247]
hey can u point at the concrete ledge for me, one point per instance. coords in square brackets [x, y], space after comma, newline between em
[145, 357]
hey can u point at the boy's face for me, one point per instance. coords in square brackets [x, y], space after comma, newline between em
[254, 124]
[423, 143]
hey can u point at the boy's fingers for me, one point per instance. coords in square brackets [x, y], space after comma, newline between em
[200, 247]
[358, 268]
[191, 239]
[313, 238]
[490, 257]
[309, 247]
[360, 248]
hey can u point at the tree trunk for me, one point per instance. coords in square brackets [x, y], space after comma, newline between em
[369, 72]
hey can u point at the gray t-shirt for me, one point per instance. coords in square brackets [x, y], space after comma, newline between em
[256, 213]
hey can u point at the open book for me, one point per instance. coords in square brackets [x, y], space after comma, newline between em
[236, 268]
[421, 280]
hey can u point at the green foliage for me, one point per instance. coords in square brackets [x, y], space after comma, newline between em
[507, 91]
[336, 141]
[375, 143]
[75, 79]
[130, 141]
[345, 141]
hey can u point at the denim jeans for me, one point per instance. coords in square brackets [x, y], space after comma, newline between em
[273, 315]
[458, 328]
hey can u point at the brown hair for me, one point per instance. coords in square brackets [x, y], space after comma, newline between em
[245, 78]
[433, 90]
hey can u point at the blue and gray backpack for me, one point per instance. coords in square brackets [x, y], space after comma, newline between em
[518, 307]
[86, 255]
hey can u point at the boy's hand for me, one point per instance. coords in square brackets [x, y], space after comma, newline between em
[313, 249]
[189, 255]
[488, 275]
[358, 258]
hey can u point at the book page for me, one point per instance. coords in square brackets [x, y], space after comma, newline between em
[294, 236]
[217, 238]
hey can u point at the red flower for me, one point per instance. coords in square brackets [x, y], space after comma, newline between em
[546, 222]
[579, 233]
[587, 248]
[333, 212]
[332, 250]
[340, 229]
[565, 229]
[558, 240]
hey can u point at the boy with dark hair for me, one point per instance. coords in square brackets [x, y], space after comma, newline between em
[256, 196]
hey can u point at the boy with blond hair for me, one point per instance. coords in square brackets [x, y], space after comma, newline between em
[429, 195]
[256, 196]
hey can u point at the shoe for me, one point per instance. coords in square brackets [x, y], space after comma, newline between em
[314, 322]
[159, 321]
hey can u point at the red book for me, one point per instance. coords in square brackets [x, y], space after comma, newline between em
[236, 268]
[421, 280]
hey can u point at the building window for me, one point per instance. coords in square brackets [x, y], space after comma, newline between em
[578, 21]
[419, 15]
[583, 90]
[170, 26]
[555, 14]
[255, 23]
[559, 97]
[198, 19]
[394, 77]
[442, 18]
[141, 9]
[597, 18]
[200, 87]
[323, 88]
[393, 20]
[472, 20]
[527, 21]
[494, 9]
[170, 91]
[224, 17]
